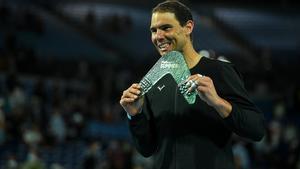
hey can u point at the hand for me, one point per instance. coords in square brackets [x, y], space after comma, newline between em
[130, 100]
[205, 88]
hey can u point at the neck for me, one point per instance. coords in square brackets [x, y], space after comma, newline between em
[191, 56]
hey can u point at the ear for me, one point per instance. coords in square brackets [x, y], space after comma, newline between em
[189, 26]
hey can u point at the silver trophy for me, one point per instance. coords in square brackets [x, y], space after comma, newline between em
[171, 63]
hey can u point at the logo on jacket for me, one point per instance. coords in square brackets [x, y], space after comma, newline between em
[161, 87]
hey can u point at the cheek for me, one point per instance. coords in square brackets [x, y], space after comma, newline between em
[179, 34]
[180, 37]
[152, 39]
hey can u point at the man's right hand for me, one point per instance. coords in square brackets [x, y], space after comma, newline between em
[130, 100]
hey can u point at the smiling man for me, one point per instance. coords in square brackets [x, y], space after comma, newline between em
[168, 34]
[190, 136]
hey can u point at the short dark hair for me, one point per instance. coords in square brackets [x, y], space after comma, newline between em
[181, 12]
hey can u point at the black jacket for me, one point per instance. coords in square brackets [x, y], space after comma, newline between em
[183, 136]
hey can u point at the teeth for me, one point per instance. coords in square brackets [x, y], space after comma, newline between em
[163, 45]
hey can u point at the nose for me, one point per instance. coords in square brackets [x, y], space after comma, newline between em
[160, 35]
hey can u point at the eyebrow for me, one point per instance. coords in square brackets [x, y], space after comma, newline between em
[160, 27]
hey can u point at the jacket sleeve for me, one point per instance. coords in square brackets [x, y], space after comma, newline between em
[142, 130]
[246, 120]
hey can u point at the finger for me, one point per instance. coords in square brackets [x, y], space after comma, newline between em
[135, 91]
[124, 95]
[193, 86]
[130, 95]
[195, 76]
[136, 86]
[200, 82]
[202, 89]
[201, 95]
[188, 81]
[126, 101]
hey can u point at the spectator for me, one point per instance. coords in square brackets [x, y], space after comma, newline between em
[33, 161]
[241, 156]
[93, 155]
[32, 136]
[57, 126]
[12, 163]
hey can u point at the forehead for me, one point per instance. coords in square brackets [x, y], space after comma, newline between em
[161, 18]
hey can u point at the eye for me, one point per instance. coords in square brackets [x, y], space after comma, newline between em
[153, 30]
[166, 27]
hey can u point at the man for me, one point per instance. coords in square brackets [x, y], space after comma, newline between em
[180, 135]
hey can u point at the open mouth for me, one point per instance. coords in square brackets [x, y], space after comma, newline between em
[164, 46]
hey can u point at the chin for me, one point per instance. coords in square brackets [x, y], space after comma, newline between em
[164, 52]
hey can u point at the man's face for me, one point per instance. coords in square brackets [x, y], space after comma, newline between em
[167, 33]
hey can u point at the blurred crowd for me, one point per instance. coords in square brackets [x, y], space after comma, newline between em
[48, 105]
